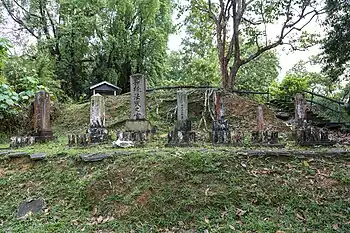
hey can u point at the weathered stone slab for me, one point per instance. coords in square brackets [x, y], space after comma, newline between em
[123, 144]
[260, 119]
[17, 154]
[300, 109]
[337, 151]
[38, 156]
[182, 105]
[42, 125]
[94, 157]
[30, 207]
[220, 131]
[182, 134]
[137, 125]
[97, 111]
[5, 152]
[138, 97]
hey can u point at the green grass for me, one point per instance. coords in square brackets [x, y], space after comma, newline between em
[180, 190]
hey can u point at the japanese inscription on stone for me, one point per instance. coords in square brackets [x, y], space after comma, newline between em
[97, 111]
[138, 97]
[182, 106]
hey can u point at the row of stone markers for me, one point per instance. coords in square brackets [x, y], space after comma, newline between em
[138, 129]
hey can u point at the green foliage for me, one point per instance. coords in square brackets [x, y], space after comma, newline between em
[258, 74]
[181, 70]
[289, 86]
[336, 44]
[8, 100]
[85, 42]
[27, 76]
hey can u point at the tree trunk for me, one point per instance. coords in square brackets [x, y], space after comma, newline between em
[232, 76]
[224, 75]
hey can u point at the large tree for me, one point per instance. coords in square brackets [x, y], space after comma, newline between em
[336, 44]
[240, 23]
[197, 62]
[95, 40]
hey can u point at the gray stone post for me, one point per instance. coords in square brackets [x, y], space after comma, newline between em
[42, 125]
[138, 97]
[97, 112]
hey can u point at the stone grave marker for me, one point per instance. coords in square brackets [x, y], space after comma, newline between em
[17, 154]
[94, 157]
[260, 119]
[306, 134]
[97, 111]
[261, 136]
[42, 125]
[31, 206]
[138, 97]
[97, 131]
[182, 134]
[37, 156]
[137, 128]
[300, 110]
[220, 132]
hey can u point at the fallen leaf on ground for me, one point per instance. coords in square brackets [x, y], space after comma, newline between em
[299, 216]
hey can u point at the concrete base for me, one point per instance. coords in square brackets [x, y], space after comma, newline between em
[277, 145]
[181, 145]
[320, 143]
[137, 125]
[138, 136]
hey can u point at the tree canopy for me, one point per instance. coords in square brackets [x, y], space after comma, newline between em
[336, 45]
[89, 41]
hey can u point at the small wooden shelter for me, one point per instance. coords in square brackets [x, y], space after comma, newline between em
[105, 88]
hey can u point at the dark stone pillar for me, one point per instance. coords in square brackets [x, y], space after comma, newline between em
[42, 125]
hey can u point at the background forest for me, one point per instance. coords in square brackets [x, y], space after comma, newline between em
[65, 46]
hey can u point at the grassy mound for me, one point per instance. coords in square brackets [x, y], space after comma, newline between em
[176, 190]
[240, 112]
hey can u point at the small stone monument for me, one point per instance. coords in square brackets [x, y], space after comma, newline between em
[262, 136]
[30, 207]
[300, 111]
[182, 134]
[97, 131]
[138, 97]
[138, 127]
[221, 133]
[42, 125]
[306, 134]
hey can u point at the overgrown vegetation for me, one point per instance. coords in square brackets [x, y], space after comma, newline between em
[176, 190]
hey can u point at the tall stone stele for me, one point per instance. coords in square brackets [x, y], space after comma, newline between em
[220, 132]
[42, 125]
[138, 97]
[137, 128]
[97, 131]
[300, 110]
[182, 133]
[97, 111]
